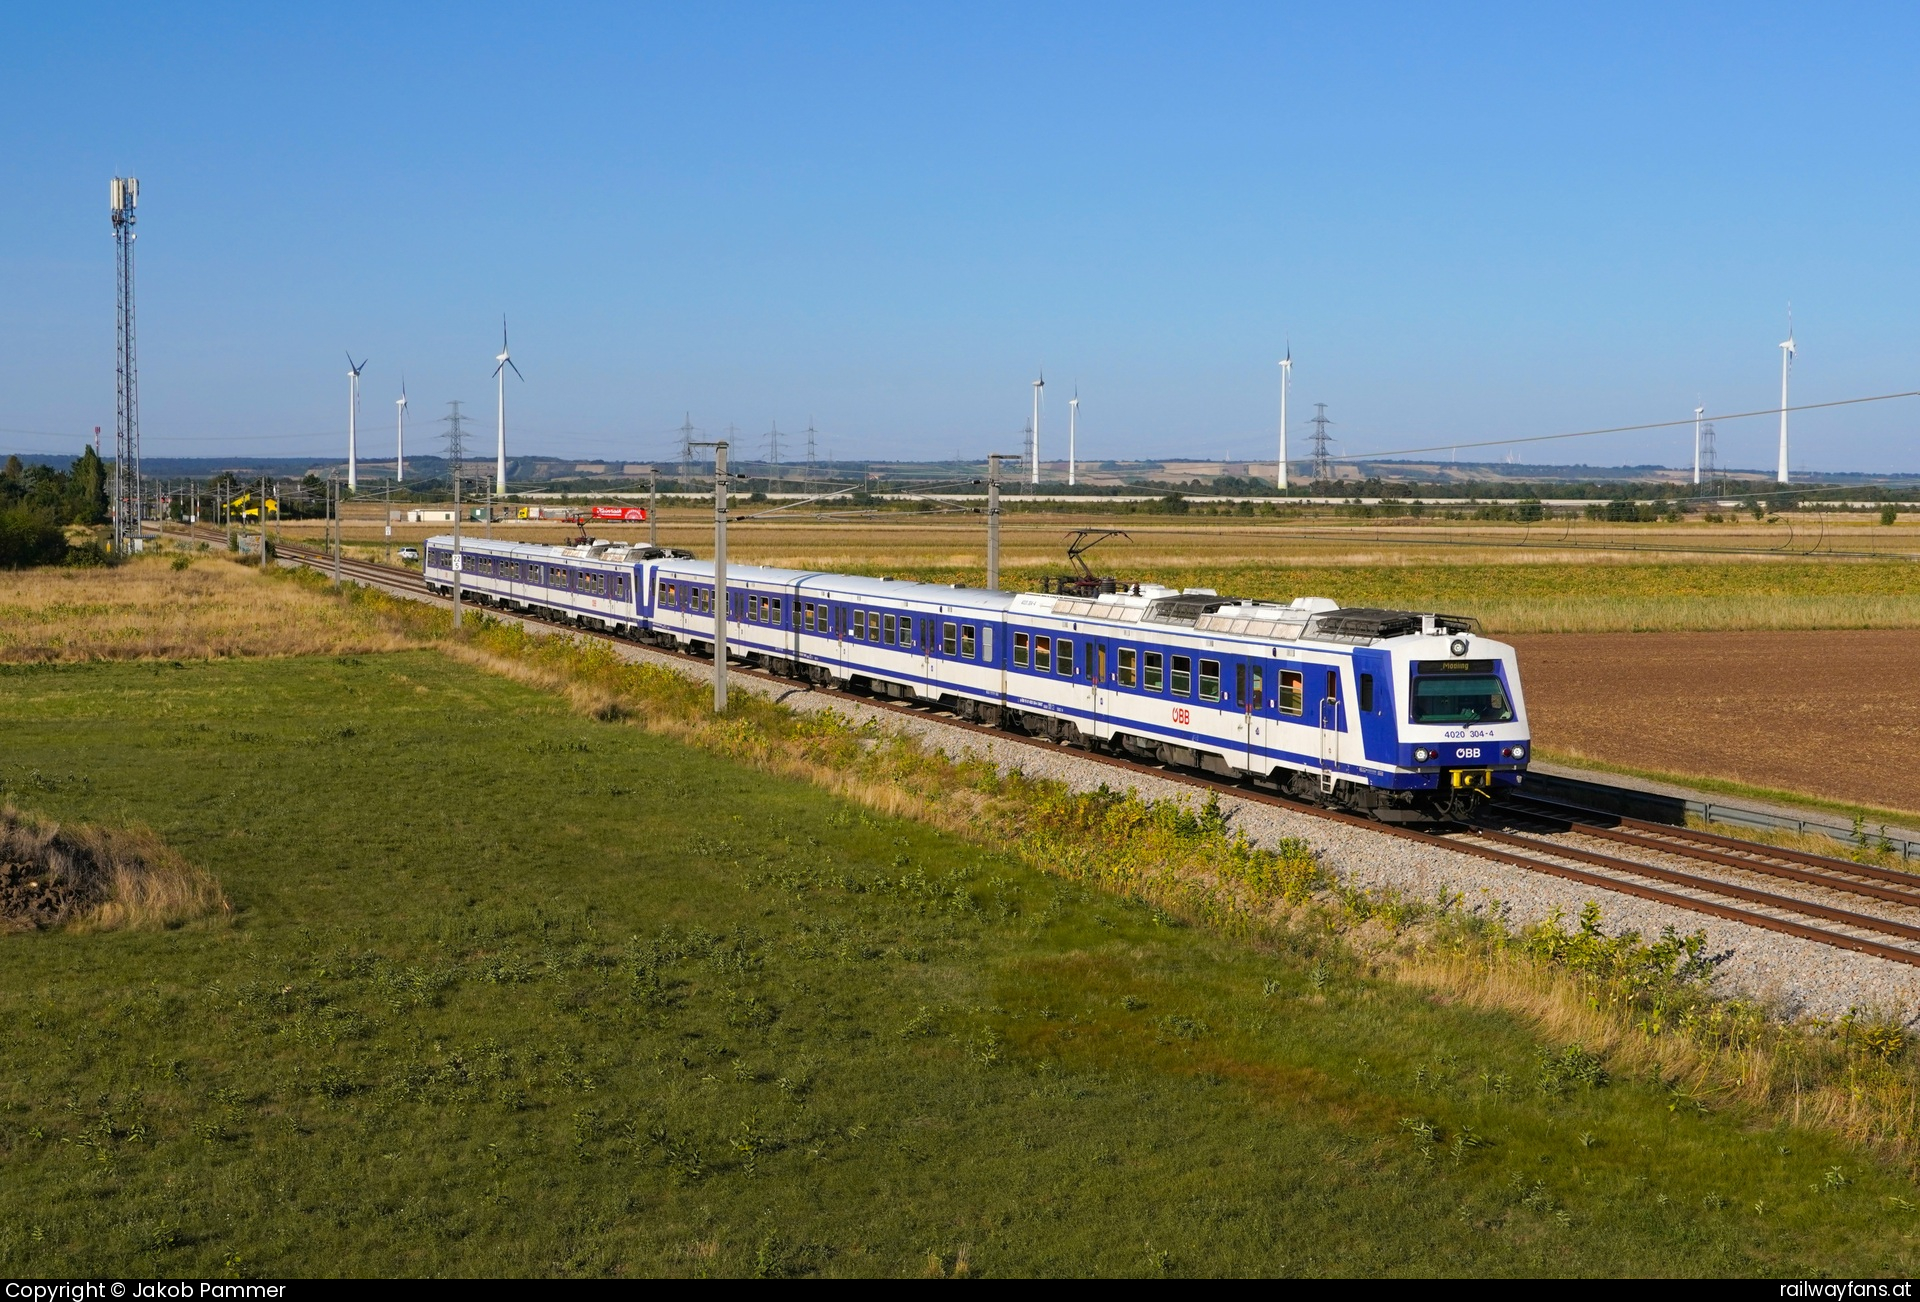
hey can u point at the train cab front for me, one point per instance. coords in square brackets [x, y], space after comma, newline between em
[1466, 720]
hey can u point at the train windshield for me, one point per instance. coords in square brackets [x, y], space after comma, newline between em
[1460, 698]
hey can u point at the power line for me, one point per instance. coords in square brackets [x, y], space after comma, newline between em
[1627, 429]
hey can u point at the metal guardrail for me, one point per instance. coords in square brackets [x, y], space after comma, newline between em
[1655, 807]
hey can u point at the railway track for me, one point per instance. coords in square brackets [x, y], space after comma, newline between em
[1701, 872]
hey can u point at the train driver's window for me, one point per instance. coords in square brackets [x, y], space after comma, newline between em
[1209, 680]
[886, 626]
[1042, 655]
[1124, 671]
[1366, 693]
[949, 640]
[966, 641]
[1150, 675]
[1020, 650]
[1063, 658]
[1333, 684]
[1293, 692]
[1181, 682]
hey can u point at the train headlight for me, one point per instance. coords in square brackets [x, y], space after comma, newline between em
[1458, 646]
[1519, 752]
[1421, 754]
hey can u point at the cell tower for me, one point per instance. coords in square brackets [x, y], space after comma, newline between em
[1322, 462]
[124, 196]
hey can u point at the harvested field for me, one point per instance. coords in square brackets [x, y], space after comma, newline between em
[147, 610]
[1832, 714]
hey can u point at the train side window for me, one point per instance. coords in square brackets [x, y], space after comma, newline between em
[620, 587]
[1042, 655]
[1063, 658]
[1125, 672]
[1239, 684]
[1209, 680]
[1257, 698]
[906, 630]
[1182, 678]
[966, 641]
[1150, 676]
[779, 615]
[1019, 650]
[1366, 693]
[886, 629]
[1333, 684]
[986, 642]
[949, 639]
[1293, 692]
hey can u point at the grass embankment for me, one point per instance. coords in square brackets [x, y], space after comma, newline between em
[562, 995]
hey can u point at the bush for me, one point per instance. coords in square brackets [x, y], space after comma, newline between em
[1888, 515]
[30, 537]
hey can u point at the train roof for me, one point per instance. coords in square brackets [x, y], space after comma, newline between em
[1304, 619]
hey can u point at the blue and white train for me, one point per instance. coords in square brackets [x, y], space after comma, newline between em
[1404, 715]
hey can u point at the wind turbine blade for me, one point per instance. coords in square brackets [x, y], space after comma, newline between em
[496, 370]
[516, 369]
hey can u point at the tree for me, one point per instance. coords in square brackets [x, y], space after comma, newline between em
[87, 490]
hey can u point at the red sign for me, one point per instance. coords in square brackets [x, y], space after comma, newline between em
[631, 514]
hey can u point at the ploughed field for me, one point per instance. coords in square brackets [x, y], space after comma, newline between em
[1833, 713]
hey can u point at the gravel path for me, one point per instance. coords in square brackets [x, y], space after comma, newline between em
[1797, 977]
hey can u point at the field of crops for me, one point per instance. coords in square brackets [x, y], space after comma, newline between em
[1573, 578]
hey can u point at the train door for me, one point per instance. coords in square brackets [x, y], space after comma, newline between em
[1102, 691]
[1082, 682]
[1329, 729]
[929, 686]
[1252, 701]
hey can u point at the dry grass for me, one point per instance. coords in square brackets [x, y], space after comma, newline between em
[87, 878]
[147, 610]
[1845, 1078]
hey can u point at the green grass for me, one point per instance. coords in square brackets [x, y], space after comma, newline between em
[513, 991]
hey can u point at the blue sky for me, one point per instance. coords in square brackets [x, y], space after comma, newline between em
[1470, 222]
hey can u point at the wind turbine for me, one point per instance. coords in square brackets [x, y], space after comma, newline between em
[353, 420]
[503, 361]
[1286, 383]
[400, 445]
[1786, 365]
[1073, 432]
[1038, 385]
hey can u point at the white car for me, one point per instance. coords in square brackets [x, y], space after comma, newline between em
[411, 555]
